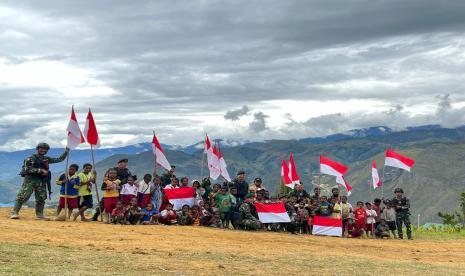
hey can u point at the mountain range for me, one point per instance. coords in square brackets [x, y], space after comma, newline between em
[434, 184]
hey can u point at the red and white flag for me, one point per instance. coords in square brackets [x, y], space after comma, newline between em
[286, 175]
[159, 154]
[376, 181]
[327, 226]
[90, 131]
[74, 132]
[214, 166]
[272, 213]
[223, 166]
[394, 159]
[331, 167]
[180, 197]
[293, 172]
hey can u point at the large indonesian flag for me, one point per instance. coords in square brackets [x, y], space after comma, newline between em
[74, 132]
[293, 172]
[223, 166]
[90, 131]
[286, 175]
[180, 197]
[331, 167]
[159, 154]
[214, 166]
[376, 181]
[394, 159]
[327, 226]
[272, 213]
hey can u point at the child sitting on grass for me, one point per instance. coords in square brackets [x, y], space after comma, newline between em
[215, 221]
[149, 215]
[118, 215]
[134, 212]
[382, 230]
[168, 216]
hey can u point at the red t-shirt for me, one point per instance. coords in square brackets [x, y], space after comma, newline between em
[360, 216]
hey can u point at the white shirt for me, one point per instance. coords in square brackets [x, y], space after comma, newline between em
[145, 187]
[169, 186]
[129, 189]
[371, 214]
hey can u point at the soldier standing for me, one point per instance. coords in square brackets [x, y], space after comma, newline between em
[35, 172]
[402, 207]
[247, 209]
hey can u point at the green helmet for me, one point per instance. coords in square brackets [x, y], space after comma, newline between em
[398, 190]
[43, 145]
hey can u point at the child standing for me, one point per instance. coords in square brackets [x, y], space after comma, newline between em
[129, 190]
[110, 187]
[360, 216]
[371, 219]
[69, 190]
[224, 202]
[86, 179]
[144, 191]
[390, 217]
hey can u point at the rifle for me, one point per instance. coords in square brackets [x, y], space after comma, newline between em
[49, 185]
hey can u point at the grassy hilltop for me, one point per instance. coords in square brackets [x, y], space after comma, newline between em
[75, 248]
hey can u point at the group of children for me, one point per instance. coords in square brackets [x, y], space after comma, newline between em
[129, 201]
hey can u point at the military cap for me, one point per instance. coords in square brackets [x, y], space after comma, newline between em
[398, 190]
[123, 160]
[43, 146]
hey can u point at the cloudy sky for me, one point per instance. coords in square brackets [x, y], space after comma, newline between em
[244, 70]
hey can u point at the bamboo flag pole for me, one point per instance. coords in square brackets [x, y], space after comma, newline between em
[154, 159]
[66, 185]
[95, 180]
[382, 182]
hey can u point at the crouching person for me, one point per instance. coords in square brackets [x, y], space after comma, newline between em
[149, 215]
[382, 230]
[247, 208]
[168, 216]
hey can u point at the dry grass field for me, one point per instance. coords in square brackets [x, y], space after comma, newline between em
[35, 247]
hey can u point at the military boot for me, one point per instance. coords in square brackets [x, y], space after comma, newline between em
[15, 212]
[40, 211]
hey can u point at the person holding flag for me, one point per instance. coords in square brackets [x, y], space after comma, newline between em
[35, 171]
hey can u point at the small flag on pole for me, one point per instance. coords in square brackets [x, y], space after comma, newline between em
[214, 166]
[331, 167]
[286, 175]
[376, 181]
[394, 159]
[75, 137]
[90, 131]
[159, 154]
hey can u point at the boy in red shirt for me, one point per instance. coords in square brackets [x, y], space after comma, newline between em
[360, 216]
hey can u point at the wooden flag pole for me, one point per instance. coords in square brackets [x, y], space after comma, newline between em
[382, 182]
[95, 180]
[154, 158]
[66, 185]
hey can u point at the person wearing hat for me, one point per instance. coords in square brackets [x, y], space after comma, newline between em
[250, 216]
[257, 185]
[36, 171]
[241, 184]
[401, 205]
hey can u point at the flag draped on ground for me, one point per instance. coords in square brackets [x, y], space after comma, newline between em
[331, 167]
[180, 197]
[327, 226]
[295, 179]
[75, 136]
[159, 154]
[376, 181]
[394, 159]
[90, 131]
[272, 213]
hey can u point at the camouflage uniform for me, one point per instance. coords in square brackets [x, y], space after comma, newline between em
[35, 182]
[166, 179]
[402, 207]
[249, 220]
[184, 219]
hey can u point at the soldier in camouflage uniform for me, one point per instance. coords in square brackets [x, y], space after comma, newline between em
[402, 206]
[247, 208]
[35, 172]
